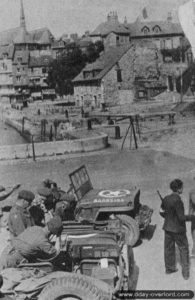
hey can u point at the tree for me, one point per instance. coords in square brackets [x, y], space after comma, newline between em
[66, 67]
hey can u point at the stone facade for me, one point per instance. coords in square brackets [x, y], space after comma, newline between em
[118, 83]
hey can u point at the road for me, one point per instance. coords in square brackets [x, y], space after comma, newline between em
[150, 170]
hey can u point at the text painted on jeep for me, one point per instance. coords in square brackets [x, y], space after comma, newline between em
[100, 200]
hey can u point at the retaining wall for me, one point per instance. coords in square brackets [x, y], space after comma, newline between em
[54, 148]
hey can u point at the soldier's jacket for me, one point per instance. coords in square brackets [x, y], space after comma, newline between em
[19, 219]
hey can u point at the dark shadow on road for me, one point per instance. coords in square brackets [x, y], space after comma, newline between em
[148, 233]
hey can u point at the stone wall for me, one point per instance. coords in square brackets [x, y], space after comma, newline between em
[88, 95]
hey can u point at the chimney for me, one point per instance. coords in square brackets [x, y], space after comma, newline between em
[112, 17]
[169, 17]
[125, 21]
[144, 13]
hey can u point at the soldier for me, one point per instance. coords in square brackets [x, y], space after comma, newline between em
[46, 202]
[32, 245]
[19, 217]
[192, 212]
[175, 230]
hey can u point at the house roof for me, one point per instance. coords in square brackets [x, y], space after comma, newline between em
[84, 42]
[41, 61]
[42, 35]
[103, 64]
[23, 37]
[23, 54]
[106, 27]
[58, 44]
[136, 28]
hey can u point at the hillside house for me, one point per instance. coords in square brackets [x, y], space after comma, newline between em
[110, 80]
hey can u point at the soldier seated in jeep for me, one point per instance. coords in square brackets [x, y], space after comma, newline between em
[32, 244]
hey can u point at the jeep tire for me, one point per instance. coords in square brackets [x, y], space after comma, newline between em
[75, 286]
[131, 229]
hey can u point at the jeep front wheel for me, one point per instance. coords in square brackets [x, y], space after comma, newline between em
[131, 229]
[73, 287]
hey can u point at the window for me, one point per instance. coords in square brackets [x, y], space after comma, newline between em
[156, 29]
[168, 44]
[18, 70]
[18, 78]
[145, 30]
[5, 55]
[19, 59]
[44, 70]
[119, 75]
[4, 66]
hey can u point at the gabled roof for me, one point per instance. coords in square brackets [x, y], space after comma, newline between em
[42, 36]
[136, 28]
[41, 61]
[24, 54]
[104, 63]
[105, 28]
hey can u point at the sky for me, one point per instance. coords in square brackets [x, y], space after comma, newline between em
[70, 16]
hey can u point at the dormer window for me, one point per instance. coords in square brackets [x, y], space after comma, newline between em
[145, 30]
[86, 74]
[156, 29]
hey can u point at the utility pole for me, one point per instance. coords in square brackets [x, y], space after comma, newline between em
[181, 83]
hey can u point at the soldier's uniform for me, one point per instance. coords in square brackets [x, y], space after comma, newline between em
[32, 244]
[192, 212]
[175, 230]
[19, 217]
[46, 202]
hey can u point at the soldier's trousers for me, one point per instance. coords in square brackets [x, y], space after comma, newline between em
[179, 239]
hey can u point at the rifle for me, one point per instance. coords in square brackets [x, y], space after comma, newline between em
[160, 196]
[162, 213]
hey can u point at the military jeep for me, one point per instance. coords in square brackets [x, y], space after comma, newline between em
[97, 263]
[97, 205]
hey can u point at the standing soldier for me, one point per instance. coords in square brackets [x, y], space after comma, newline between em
[19, 217]
[175, 230]
[192, 212]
